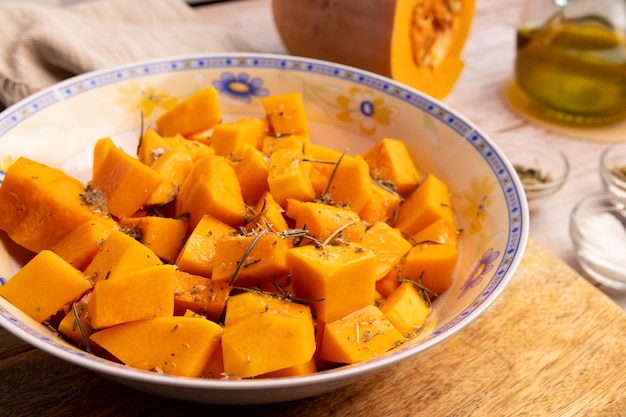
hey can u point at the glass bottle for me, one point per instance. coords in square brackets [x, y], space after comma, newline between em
[571, 59]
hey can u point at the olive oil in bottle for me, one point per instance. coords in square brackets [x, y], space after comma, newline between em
[575, 69]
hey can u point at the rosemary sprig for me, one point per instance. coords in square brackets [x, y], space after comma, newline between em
[79, 324]
[332, 175]
[336, 232]
[242, 262]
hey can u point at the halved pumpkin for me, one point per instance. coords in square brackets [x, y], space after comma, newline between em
[417, 42]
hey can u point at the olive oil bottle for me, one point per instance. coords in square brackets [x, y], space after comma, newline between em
[574, 67]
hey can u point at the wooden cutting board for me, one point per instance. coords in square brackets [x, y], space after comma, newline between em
[551, 345]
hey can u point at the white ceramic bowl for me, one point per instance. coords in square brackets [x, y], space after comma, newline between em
[346, 107]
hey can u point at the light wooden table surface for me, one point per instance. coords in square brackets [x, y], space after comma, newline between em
[489, 55]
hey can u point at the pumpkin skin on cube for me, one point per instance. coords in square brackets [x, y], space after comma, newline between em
[382, 37]
[263, 334]
[361, 335]
[173, 345]
[340, 278]
[44, 286]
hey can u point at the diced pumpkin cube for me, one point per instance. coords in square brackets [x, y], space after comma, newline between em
[40, 205]
[199, 294]
[390, 161]
[267, 334]
[252, 171]
[138, 295]
[361, 335]
[440, 231]
[381, 207]
[23, 181]
[250, 260]
[388, 245]
[53, 214]
[163, 235]
[270, 214]
[173, 345]
[81, 245]
[196, 113]
[285, 113]
[429, 203]
[289, 176]
[173, 166]
[230, 139]
[432, 265]
[323, 220]
[351, 184]
[212, 188]
[339, 278]
[406, 309]
[118, 255]
[45, 285]
[198, 252]
[151, 147]
[124, 180]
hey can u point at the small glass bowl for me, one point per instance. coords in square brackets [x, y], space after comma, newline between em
[598, 231]
[542, 168]
[613, 169]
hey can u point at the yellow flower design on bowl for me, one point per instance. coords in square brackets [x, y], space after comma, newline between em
[136, 98]
[365, 108]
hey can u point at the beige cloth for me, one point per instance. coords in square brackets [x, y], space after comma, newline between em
[42, 45]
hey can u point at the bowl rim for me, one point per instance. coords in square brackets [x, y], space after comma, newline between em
[13, 115]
